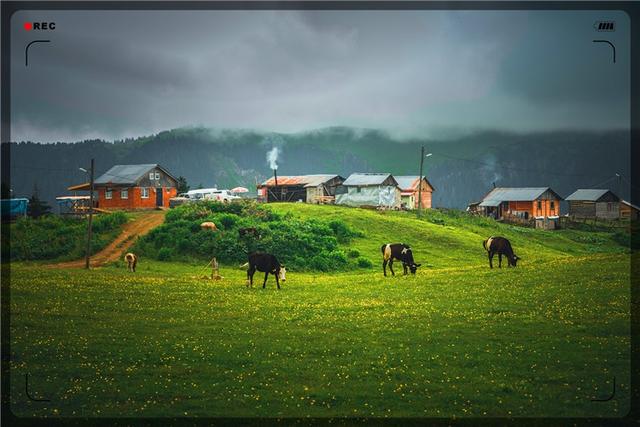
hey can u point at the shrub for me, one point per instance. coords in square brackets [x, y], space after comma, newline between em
[364, 263]
[353, 253]
[165, 254]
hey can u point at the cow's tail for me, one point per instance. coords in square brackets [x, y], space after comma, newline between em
[484, 245]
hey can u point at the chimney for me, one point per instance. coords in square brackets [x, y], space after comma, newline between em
[275, 175]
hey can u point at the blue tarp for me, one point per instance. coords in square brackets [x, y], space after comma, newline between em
[14, 207]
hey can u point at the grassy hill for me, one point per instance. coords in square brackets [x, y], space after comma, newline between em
[335, 238]
[455, 340]
[450, 239]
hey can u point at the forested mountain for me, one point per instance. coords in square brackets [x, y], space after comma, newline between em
[462, 169]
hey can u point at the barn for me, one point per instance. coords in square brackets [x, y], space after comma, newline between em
[369, 189]
[521, 203]
[594, 203]
[145, 186]
[410, 191]
[318, 188]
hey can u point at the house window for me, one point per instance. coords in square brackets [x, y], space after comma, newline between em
[151, 176]
[358, 189]
[124, 193]
[609, 207]
[553, 205]
[144, 193]
[108, 194]
[539, 205]
[157, 176]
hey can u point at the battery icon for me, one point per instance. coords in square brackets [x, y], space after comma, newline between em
[605, 26]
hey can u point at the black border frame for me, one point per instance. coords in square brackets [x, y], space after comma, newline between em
[8, 8]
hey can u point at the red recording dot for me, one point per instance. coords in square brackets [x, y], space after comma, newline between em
[28, 26]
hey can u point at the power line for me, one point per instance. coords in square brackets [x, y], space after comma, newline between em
[493, 165]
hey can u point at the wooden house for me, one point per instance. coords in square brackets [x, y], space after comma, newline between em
[594, 203]
[410, 191]
[319, 188]
[629, 210]
[524, 203]
[145, 186]
[369, 189]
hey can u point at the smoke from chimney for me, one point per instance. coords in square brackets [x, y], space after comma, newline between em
[272, 157]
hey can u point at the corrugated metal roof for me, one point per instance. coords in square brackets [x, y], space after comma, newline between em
[407, 182]
[504, 194]
[305, 180]
[124, 174]
[363, 179]
[587, 194]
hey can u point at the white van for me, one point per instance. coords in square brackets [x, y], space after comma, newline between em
[211, 194]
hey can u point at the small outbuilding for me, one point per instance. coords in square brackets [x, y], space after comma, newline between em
[594, 203]
[410, 191]
[369, 189]
[629, 210]
[319, 188]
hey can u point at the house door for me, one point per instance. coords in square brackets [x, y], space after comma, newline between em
[159, 197]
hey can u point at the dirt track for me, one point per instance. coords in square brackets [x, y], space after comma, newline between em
[138, 227]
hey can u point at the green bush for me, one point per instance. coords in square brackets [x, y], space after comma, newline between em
[364, 263]
[353, 253]
[310, 244]
[165, 254]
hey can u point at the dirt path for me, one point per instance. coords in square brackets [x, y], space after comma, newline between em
[114, 250]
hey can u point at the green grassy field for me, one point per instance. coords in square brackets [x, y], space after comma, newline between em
[458, 339]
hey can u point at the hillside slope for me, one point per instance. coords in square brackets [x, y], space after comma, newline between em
[453, 239]
[334, 238]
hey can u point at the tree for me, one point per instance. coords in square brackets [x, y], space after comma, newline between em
[183, 186]
[37, 207]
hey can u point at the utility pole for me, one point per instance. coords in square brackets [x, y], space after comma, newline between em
[88, 251]
[619, 185]
[420, 182]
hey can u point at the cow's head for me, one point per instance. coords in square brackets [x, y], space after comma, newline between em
[413, 267]
[514, 260]
[282, 273]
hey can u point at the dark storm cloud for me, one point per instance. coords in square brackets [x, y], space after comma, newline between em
[119, 74]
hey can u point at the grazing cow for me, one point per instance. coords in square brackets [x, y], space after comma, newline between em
[500, 246]
[249, 231]
[208, 226]
[265, 263]
[131, 260]
[401, 252]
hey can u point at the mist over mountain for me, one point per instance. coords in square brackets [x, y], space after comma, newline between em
[462, 169]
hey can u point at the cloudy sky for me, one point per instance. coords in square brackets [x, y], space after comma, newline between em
[115, 74]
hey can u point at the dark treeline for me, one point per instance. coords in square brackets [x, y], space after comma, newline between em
[462, 170]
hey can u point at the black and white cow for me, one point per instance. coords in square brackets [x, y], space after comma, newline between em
[132, 260]
[265, 263]
[500, 246]
[402, 253]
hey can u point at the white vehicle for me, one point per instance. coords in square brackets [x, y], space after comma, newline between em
[212, 194]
